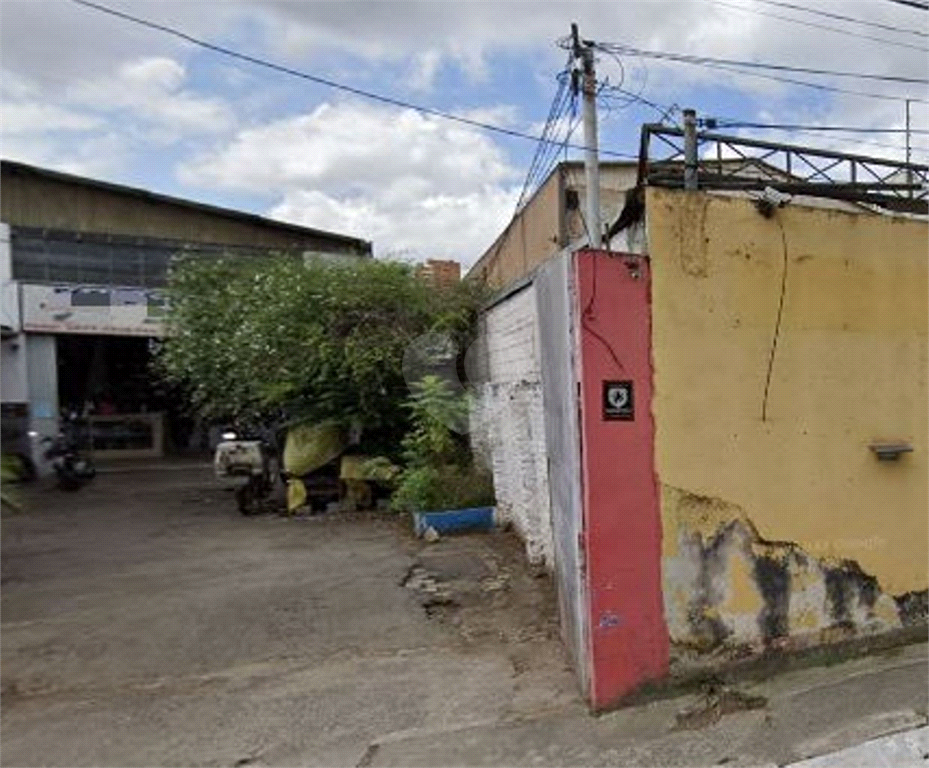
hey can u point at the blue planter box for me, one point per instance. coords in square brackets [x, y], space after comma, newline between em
[454, 520]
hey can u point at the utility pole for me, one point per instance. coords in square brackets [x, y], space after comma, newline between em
[909, 171]
[585, 55]
[690, 149]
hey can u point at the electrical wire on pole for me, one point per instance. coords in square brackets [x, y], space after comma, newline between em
[585, 80]
[538, 167]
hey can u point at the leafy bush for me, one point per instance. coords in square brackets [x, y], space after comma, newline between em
[252, 338]
[431, 489]
[439, 471]
[10, 472]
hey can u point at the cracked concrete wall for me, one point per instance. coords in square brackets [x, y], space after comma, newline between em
[783, 347]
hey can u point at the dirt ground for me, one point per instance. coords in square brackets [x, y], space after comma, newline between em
[145, 622]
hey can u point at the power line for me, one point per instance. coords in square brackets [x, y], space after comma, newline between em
[325, 81]
[825, 27]
[840, 17]
[555, 114]
[632, 98]
[731, 122]
[710, 63]
[620, 48]
[724, 123]
[912, 4]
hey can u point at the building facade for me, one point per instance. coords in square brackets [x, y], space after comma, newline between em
[83, 264]
[717, 444]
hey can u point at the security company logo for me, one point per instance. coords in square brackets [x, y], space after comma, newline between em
[618, 401]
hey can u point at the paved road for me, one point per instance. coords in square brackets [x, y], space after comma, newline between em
[144, 622]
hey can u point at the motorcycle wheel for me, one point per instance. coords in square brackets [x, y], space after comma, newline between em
[245, 498]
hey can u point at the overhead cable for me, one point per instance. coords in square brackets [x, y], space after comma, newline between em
[628, 49]
[257, 61]
[912, 4]
[841, 17]
[710, 64]
[724, 123]
[824, 27]
[555, 114]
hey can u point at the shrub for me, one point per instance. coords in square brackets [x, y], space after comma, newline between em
[439, 470]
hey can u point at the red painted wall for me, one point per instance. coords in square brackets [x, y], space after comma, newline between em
[622, 523]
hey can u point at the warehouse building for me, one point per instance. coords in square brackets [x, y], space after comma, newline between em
[83, 265]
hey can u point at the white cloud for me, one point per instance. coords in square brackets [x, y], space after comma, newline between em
[94, 126]
[151, 90]
[458, 227]
[424, 70]
[78, 82]
[405, 180]
[24, 117]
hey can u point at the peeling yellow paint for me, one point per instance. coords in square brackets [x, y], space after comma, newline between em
[686, 514]
[807, 620]
[743, 595]
[885, 610]
[747, 590]
[849, 368]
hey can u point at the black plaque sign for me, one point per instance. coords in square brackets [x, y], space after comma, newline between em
[618, 402]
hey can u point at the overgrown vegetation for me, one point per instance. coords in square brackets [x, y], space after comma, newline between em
[10, 473]
[259, 339]
[439, 471]
[271, 341]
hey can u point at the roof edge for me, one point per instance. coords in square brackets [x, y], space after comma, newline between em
[365, 246]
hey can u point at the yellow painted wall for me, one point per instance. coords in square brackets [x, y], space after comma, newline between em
[849, 368]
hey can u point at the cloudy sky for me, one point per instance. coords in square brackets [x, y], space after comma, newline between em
[88, 93]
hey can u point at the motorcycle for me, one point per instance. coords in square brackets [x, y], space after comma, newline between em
[309, 460]
[72, 470]
[245, 465]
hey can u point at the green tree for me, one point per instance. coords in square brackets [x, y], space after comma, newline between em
[252, 338]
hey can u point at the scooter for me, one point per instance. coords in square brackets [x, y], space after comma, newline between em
[72, 470]
[245, 465]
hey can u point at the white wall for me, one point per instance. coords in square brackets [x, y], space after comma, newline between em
[9, 291]
[508, 422]
[13, 382]
[42, 373]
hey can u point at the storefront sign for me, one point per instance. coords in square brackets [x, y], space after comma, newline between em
[92, 309]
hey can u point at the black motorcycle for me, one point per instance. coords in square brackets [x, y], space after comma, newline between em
[71, 469]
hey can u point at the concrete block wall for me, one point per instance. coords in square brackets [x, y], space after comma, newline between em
[508, 422]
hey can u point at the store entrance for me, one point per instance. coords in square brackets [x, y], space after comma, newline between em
[129, 411]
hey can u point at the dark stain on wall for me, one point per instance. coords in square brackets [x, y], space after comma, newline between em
[913, 608]
[773, 581]
[847, 584]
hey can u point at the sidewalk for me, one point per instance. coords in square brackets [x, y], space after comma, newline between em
[808, 713]
[900, 750]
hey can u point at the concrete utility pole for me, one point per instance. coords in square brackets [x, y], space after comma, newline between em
[909, 171]
[585, 55]
[690, 149]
